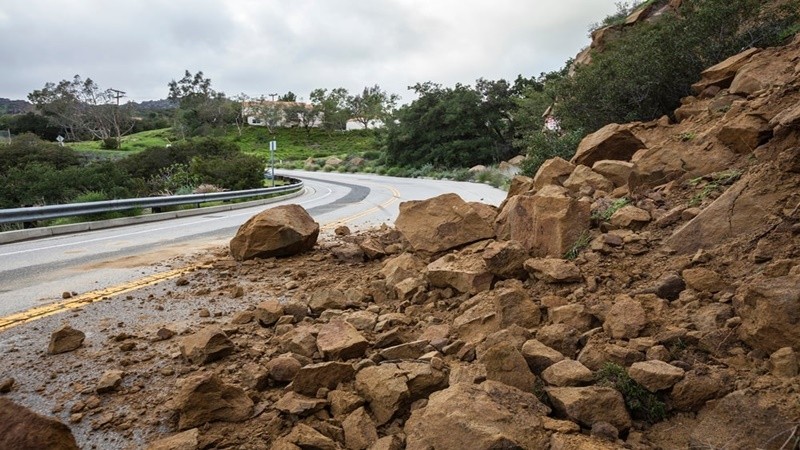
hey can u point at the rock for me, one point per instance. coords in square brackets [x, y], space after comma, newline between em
[588, 405]
[655, 375]
[783, 363]
[348, 252]
[584, 176]
[546, 224]
[309, 379]
[65, 339]
[6, 384]
[340, 340]
[372, 248]
[301, 340]
[388, 443]
[567, 372]
[520, 185]
[268, 312]
[655, 166]
[703, 280]
[554, 171]
[758, 74]
[505, 259]
[553, 270]
[408, 350]
[299, 405]
[205, 398]
[478, 321]
[613, 141]
[744, 133]
[711, 317]
[441, 223]
[770, 311]
[615, 171]
[505, 364]
[359, 430]
[559, 441]
[342, 230]
[698, 387]
[207, 345]
[21, 428]
[343, 402]
[390, 387]
[721, 74]
[596, 353]
[488, 416]
[630, 217]
[539, 356]
[362, 320]
[741, 421]
[280, 231]
[187, 440]
[668, 286]
[402, 267]
[242, 317]
[467, 273]
[164, 333]
[303, 436]
[515, 307]
[561, 337]
[574, 315]
[325, 299]
[109, 381]
[626, 318]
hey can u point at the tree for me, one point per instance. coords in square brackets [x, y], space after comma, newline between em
[288, 97]
[371, 104]
[81, 107]
[268, 113]
[201, 109]
[332, 107]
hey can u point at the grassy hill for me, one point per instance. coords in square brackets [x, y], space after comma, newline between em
[294, 144]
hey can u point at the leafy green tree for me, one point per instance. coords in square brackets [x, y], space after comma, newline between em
[332, 106]
[81, 107]
[30, 122]
[202, 110]
[372, 104]
[288, 97]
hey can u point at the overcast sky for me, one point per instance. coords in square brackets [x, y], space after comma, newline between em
[259, 47]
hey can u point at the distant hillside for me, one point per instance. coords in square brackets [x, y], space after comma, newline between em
[155, 105]
[8, 106]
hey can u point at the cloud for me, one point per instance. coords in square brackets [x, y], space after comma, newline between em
[260, 47]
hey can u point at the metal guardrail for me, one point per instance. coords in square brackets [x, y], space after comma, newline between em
[34, 213]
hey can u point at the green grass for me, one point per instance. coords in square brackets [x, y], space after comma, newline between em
[641, 403]
[293, 144]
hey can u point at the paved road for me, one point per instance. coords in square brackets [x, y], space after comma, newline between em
[35, 273]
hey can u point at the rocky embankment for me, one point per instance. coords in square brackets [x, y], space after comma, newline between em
[645, 294]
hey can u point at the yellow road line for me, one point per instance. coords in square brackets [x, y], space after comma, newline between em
[89, 297]
[104, 294]
[366, 212]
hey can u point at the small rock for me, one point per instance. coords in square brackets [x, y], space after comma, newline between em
[783, 363]
[309, 379]
[703, 280]
[65, 339]
[188, 440]
[6, 384]
[110, 381]
[553, 270]
[268, 312]
[567, 373]
[340, 340]
[626, 318]
[655, 375]
[283, 368]
[205, 398]
[207, 345]
[342, 230]
[164, 333]
[505, 364]
[204, 312]
[539, 356]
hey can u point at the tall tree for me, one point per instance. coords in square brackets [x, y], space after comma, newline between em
[371, 105]
[81, 107]
[288, 97]
[201, 109]
[332, 107]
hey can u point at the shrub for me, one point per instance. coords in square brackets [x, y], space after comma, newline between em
[542, 146]
[642, 404]
[110, 143]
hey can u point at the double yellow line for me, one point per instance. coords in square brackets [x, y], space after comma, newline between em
[104, 294]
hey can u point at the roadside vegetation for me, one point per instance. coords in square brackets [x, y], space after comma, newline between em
[200, 136]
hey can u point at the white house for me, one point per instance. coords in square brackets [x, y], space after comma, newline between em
[276, 113]
[355, 124]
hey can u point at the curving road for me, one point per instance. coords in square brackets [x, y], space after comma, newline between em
[35, 273]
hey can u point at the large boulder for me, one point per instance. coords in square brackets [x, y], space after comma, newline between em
[505, 259]
[613, 141]
[391, 387]
[554, 171]
[744, 133]
[616, 171]
[654, 167]
[721, 74]
[281, 231]
[487, 416]
[546, 224]
[205, 398]
[21, 428]
[583, 176]
[770, 312]
[340, 340]
[441, 223]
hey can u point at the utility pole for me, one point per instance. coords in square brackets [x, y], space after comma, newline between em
[273, 96]
[117, 95]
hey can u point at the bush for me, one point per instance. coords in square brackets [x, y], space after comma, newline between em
[542, 146]
[234, 172]
[642, 404]
[110, 143]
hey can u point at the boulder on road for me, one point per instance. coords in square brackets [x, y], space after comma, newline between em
[441, 223]
[65, 339]
[281, 231]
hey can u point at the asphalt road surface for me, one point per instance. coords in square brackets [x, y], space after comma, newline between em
[36, 273]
